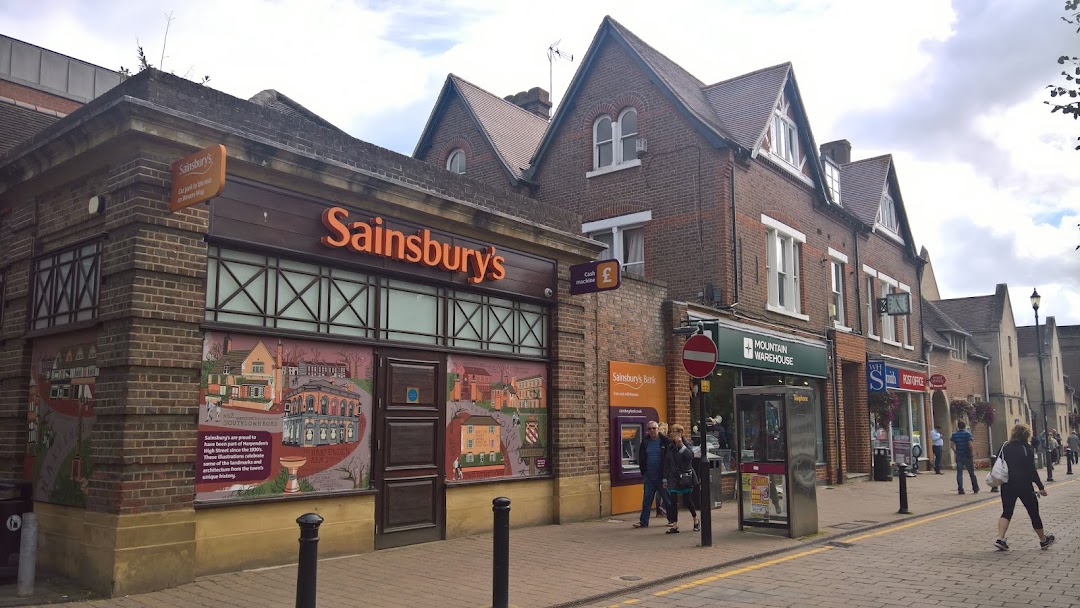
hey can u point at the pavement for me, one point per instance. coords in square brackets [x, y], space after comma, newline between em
[557, 565]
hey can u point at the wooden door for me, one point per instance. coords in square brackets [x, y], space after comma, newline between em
[409, 448]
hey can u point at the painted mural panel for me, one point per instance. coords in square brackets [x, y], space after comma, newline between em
[60, 415]
[497, 419]
[282, 417]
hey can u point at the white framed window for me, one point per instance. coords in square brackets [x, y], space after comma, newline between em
[871, 309]
[625, 239]
[455, 163]
[615, 142]
[888, 322]
[887, 214]
[783, 257]
[958, 346]
[785, 138]
[838, 263]
[903, 321]
[832, 180]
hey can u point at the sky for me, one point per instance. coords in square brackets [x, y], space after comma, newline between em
[954, 90]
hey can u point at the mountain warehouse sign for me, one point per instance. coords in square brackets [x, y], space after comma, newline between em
[744, 348]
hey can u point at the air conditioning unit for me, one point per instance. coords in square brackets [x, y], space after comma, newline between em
[641, 145]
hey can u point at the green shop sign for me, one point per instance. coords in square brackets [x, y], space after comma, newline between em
[760, 351]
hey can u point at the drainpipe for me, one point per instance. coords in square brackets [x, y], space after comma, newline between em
[858, 282]
[734, 241]
[836, 403]
[986, 397]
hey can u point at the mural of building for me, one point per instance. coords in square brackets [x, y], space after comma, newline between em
[71, 372]
[480, 441]
[473, 384]
[242, 379]
[321, 412]
[531, 393]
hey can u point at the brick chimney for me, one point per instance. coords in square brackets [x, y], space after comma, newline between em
[535, 100]
[839, 151]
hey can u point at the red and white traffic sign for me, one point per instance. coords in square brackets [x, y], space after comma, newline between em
[699, 356]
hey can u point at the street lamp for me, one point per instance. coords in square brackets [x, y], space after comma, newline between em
[1036, 299]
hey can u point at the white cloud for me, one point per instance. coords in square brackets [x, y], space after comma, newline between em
[954, 91]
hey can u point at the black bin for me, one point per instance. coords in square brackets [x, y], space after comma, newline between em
[882, 467]
[16, 498]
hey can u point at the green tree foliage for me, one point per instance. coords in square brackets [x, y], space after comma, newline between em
[1065, 98]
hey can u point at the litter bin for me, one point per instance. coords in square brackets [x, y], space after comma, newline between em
[882, 467]
[16, 498]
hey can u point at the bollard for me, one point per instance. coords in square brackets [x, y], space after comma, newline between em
[1068, 461]
[500, 559]
[24, 586]
[903, 489]
[309, 559]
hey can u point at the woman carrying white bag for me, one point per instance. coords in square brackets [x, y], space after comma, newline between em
[1015, 472]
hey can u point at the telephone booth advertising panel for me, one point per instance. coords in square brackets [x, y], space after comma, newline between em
[777, 459]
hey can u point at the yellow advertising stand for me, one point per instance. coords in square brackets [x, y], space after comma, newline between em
[637, 394]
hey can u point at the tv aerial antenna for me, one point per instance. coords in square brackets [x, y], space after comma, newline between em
[554, 53]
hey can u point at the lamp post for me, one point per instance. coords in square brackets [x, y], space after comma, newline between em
[1036, 299]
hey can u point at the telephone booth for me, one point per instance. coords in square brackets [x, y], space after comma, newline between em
[777, 459]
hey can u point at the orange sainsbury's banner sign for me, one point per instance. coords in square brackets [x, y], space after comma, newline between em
[372, 238]
[197, 177]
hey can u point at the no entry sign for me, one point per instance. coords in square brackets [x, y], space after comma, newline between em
[699, 356]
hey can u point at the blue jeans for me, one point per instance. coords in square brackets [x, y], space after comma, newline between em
[965, 462]
[653, 487]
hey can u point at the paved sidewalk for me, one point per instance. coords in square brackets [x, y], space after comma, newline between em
[551, 565]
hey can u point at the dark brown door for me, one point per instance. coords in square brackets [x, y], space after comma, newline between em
[409, 448]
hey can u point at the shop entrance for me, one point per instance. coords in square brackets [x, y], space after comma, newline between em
[408, 457]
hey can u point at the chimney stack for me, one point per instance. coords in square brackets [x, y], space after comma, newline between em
[535, 100]
[839, 151]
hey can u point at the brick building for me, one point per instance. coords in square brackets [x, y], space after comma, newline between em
[719, 192]
[177, 306]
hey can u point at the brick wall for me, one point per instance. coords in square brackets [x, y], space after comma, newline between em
[37, 98]
[964, 378]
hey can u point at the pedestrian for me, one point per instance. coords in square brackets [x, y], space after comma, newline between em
[961, 447]
[679, 478]
[662, 498]
[651, 464]
[1054, 445]
[1020, 457]
[938, 443]
[1073, 443]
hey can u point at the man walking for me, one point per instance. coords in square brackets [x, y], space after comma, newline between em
[961, 447]
[651, 463]
[1073, 443]
[938, 441]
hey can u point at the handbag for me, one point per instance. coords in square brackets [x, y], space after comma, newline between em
[686, 479]
[1000, 473]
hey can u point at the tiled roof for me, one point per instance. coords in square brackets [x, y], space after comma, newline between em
[513, 131]
[745, 103]
[284, 104]
[862, 183]
[18, 124]
[974, 314]
[936, 322]
[684, 86]
[1025, 341]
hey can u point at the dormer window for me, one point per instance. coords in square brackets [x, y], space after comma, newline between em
[887, 214]
[455, 163]
[615, 142]
[785, 138]
[958, 344]
[832, 180]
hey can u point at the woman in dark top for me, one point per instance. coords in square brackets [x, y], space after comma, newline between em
[1020, 457]
[679, 459]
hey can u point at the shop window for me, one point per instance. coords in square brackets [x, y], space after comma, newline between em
[497, 324]
[783, 257]
[66, 287]
[624, 237]
[411, 312]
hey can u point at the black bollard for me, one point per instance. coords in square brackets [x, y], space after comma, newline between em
[500, 560]
[1068, 461]
[903, 489]
[309, 559]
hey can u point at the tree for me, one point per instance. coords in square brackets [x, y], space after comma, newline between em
[1066, 98]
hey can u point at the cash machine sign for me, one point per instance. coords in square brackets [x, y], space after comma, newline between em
[595, 276]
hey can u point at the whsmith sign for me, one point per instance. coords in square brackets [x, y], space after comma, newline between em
[880, 376]
[751, 349]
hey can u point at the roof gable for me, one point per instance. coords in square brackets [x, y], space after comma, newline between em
[746, 103]
[512, 131]
[974, 314]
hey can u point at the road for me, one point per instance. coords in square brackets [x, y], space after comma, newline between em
[942, 560]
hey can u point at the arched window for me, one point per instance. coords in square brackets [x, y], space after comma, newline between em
[311, 404]
[456, 161]
[325, 405]
[615, 141]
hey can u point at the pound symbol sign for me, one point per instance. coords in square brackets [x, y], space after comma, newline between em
[607, 275]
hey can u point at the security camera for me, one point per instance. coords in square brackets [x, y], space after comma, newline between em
[689, 330]
[547, 292]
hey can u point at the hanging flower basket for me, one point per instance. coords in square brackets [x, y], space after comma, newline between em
[984, 413]
[961, 409]
[883, 407]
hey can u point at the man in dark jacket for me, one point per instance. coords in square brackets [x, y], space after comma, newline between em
[651, 455]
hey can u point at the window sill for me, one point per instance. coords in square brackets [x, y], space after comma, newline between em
[871, 336]
[613, 168]
[841, 327]
[909, 347]
[786, 312]
[891, 342]
[790, 168]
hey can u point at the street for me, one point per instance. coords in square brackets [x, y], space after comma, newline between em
[942, 560]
